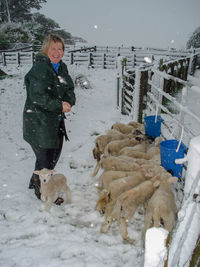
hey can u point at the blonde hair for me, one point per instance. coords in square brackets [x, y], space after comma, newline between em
[51, 38]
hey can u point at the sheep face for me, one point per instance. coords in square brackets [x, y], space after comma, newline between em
[44, 175]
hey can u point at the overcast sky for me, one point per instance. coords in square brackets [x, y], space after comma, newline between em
[155, 23]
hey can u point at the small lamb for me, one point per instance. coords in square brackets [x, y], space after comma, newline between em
[51, 186]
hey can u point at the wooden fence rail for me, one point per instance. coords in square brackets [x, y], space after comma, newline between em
[95, 57]
[148, 90]
[90, 59]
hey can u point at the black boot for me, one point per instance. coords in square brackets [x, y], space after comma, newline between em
[35, 184]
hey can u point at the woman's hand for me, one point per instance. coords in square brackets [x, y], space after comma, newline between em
[66, 107]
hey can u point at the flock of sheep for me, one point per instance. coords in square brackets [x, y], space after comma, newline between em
[132, 176]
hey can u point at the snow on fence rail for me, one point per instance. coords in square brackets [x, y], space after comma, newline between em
[186, 235]
[90, 59]
[95, 57]
[148, 90]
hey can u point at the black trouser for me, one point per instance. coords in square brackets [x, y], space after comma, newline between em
[45, 158]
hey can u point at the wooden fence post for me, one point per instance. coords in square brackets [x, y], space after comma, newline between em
[72, 58]
[160, 97]
[123, 63]
[91, 61]
[133, 60]
[135, 105]
[190, 68]
[18, 58]
[183, 104]
[4, 58]
[33, 57]
[104, 61]
[118, 89]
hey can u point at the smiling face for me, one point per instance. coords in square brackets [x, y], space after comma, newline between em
[55, 51]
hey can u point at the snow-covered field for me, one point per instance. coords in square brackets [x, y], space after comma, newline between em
[70, 234]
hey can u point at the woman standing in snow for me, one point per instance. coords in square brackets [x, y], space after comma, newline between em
[50, 94]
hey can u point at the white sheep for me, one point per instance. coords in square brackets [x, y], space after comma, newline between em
[152, 155]
[116, 163]
[101, 142]
[116, 188]
[122, 127]
[127, 204]
[113, 131]
[108, 176]
[51, 186]
[142, 147]
[161, 210]
[114, 185]
[137, 125]
[115, 146]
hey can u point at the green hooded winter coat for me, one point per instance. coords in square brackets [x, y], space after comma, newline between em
[43, 107]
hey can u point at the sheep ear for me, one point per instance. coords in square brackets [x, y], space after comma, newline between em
[37, 172]
[149, 174]
[156, 183]
[158, 140]
[173, 179]
[52, 171]
[157, 175]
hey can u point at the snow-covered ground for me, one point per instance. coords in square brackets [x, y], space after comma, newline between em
[70, 234]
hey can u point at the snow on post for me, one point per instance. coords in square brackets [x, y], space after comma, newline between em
[155, 247]
[136, 97]
[193, 167]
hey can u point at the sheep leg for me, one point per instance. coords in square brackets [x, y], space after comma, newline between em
[48, 205]
[148, 224]
[123, 231]
[68, 194]
[123, 223]
[169, 222]
[109, 208]
[101, 203]
[97, 168]
[43, 197]
[100, 206]
[105, 226]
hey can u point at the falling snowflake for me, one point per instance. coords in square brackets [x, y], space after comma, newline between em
[61, 79]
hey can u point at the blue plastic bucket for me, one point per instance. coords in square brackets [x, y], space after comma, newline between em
[152, 125]
[169, 155]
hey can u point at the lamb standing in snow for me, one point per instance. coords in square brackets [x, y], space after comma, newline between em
[51, 186]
